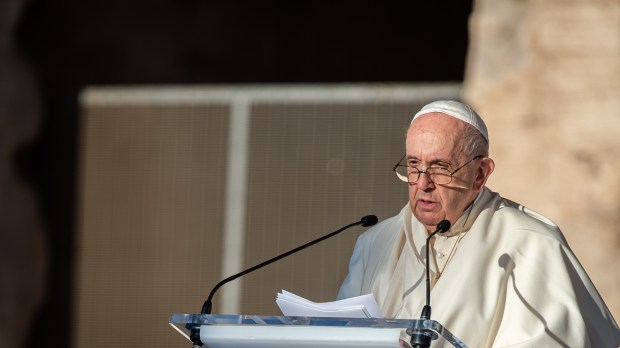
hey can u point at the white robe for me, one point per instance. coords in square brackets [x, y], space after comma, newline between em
[512, 280]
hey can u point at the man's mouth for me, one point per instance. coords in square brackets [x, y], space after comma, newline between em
[426, 204]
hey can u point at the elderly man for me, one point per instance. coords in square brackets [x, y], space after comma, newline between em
[502, 276]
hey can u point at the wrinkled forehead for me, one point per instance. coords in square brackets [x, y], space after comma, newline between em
[436, 136]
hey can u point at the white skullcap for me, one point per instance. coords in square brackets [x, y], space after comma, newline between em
[457, 110]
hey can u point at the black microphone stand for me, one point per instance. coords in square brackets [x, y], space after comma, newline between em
[422, 338]
[366, 221]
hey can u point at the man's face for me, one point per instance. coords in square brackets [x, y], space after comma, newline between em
[435, 140]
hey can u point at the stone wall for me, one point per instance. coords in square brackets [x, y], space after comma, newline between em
[545, 75]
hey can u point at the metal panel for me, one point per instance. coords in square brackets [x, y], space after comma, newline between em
[150, 230]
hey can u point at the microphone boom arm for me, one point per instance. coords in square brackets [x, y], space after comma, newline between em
[366, 221]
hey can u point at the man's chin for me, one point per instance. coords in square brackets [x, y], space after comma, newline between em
[430, 220]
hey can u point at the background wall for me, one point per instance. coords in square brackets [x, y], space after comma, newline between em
[546, 77]
[55, 49]
[528, 65]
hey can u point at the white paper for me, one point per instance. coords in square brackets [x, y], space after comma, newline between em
[363, 306]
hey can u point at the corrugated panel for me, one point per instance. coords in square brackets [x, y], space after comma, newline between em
[151, 219]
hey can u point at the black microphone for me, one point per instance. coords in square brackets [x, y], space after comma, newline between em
[418, 338]
[366, 221]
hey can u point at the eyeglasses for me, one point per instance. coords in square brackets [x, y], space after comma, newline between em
[439, 176]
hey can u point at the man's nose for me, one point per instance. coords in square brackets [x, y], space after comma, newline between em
[425, 182]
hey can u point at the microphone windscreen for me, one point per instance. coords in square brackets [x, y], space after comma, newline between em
[370, 220]
[443, 226]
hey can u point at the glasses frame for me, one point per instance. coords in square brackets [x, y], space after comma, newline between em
[425, 171]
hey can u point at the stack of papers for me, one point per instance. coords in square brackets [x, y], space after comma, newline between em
[364, 306]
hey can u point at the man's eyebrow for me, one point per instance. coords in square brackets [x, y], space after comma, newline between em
[438, 161]
[411, 158]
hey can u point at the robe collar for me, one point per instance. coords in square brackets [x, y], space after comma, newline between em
[416, 233]
[466, 220]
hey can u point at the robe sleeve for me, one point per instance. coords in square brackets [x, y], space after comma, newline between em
[352, 285]
[550, 302]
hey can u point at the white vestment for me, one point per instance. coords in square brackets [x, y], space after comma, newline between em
[507, 278]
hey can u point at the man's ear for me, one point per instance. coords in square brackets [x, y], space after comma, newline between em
[485, 168]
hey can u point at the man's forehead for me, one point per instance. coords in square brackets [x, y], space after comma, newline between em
[437, 126]
[435, 139]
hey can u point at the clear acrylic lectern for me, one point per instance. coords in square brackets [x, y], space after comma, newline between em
[222, 331]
